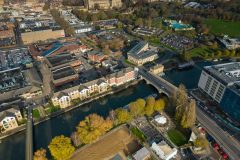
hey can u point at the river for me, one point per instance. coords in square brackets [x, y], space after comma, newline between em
[13, 147]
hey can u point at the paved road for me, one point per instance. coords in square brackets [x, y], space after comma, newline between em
[222, 137]
[29, 136]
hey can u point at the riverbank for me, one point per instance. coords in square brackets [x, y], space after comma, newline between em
[65, 110]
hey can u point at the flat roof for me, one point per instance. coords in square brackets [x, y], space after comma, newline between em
[228, 73]
[60, 59]
[63, 72]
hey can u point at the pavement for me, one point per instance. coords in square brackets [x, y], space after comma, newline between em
[29, 135]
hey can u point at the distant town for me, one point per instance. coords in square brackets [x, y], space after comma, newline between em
[119, 80]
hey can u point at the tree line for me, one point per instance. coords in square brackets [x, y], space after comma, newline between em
[62, 22]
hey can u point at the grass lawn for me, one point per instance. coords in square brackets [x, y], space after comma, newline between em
[201, 51]
[138, 133]
[36, 113]
[177, 137]
[224, 27]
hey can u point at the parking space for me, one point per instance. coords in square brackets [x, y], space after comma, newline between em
[149, 131]
[178, 42]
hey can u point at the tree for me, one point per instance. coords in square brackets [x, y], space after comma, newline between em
[201, 142]
[159, 105]
[233, 53]
[189, 115]
[123, 116]
[119, 26]
[92, 127]
[139, 22]
[215, 45]
[180, 98]
[46, 6]
[141, 105]
[40, 154]
[149, 109]
[148, 22]
[94, 18]
[61, 148]
[75, 139]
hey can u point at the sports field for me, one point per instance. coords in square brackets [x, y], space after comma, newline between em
[231, 28]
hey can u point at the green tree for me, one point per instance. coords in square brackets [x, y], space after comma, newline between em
[92, 127]
[148, 22]
[189, 115]
[159, 105]
[119, 26]
[46, 6]
[123, 116]
[227, 53]
[233, 53]
[201, 142]
[61, 148]
[141, 104]
[94, 18]
[139, 22]
[40, 154]
[149, 109]
[180, 98]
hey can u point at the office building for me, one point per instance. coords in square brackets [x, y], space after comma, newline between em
[104, 4]
[222, 83]
[142, 53]
[229, 43]
[35, 31]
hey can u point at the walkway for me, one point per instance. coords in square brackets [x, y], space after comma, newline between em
[29, 135]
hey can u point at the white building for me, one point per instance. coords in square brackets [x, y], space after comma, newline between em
[164, 151]
[160, 119]
[64, 98]
[230, 43]
[142, 154]
[9, 118]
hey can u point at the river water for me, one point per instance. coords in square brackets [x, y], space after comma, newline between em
[13, 147]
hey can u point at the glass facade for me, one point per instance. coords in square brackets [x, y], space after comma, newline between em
[230, 104]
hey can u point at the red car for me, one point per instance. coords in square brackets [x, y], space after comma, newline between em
[225, 156]
[216, 146]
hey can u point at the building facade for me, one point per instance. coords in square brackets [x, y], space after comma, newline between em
[141, 53]
[64, 98]
[222, 83]
[104, 4]
[83, 91]
[9, 118]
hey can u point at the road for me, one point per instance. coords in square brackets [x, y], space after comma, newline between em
[223, 138]
[29, 135]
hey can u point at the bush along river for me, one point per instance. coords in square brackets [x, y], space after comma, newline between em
[13, 147]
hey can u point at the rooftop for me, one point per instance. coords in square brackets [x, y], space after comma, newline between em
[228, 73]
[13, 58]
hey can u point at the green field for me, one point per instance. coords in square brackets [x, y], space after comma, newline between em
[201, 51]
[223, 27]
[138, 134]
[36, 113]
[177, 137]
